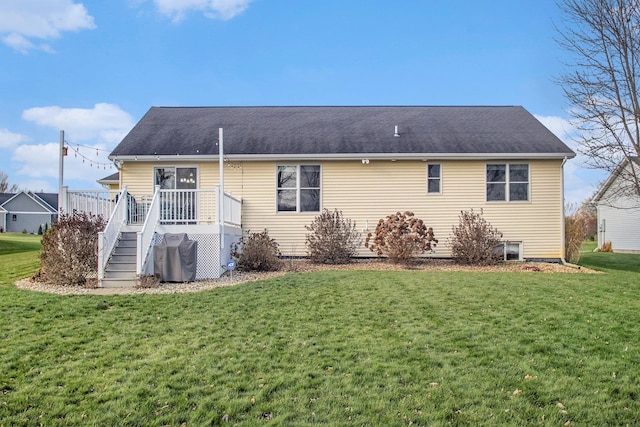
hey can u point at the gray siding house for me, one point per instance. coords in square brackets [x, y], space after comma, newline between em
[27, 211]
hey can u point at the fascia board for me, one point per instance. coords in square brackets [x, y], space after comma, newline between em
[344, 157]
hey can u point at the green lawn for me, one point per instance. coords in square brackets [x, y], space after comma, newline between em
[333, 348]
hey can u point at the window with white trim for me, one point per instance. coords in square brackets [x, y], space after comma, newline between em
[298, 188]
[176, 178]
[509, 251]
[507, 182]
[434, 178]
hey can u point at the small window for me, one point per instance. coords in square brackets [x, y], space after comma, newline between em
[509, 251]
[298, 188]
[507, 182]
[433, 179]
[14, 217]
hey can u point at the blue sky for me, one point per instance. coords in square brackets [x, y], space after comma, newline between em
[94, 67]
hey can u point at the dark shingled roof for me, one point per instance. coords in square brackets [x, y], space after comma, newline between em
[114, 177]
[317, 131]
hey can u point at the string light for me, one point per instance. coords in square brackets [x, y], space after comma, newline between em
[77, 153]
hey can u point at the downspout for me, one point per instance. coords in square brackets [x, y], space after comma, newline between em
[562, 224]
[221, 204]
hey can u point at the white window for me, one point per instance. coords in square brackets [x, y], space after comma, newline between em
[298, 188]
[434, 178]
[507, 182]
[509, 251]
[176, 178]
[179, 205]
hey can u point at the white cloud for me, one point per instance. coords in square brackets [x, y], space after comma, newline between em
[105, 122]
[24, 20]
[215, 9]
[40, 162]
[91, 134]
[10, 139]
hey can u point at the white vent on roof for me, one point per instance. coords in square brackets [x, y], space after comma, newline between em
[395, 132]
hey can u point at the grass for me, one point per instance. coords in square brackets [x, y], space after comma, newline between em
[333, 348]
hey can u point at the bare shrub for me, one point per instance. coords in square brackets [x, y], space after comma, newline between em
[148, 281]
[257, 252]
[606, 247]
[473, 240]
[333, 238]
[70, 249]
[574, 235]
[401, 237]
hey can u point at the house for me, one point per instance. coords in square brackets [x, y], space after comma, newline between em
[618, 208]
[27, 211]
[283, 165]
[111, 182]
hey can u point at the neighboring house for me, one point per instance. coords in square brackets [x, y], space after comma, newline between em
[27, 211]
[287, 164]
[618, 208]
[3, 219]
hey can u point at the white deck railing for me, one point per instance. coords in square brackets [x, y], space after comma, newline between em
[187, 206]
[108, 238]
[95, 202]
[232, 210]
[145, 236]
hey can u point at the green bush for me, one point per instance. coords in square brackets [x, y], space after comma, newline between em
[40, 230]
[333, 238]
[257, 252]
[473, 240]
[401, 237]
[70, 249]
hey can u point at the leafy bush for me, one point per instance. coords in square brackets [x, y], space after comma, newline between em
[333, 239]
[401, 237]
[257, 252]
[473, 240]
[40, 230]
[70, 249]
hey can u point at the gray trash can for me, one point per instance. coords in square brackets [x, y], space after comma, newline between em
[174, 259]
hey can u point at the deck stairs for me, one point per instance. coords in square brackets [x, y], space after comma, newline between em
[120, 271]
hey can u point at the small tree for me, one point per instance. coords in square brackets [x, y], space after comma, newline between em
[257, 252]
[40, 230]
[473, 240]
[574, 235]
[334, 239]
[69, 248]
[401, 237]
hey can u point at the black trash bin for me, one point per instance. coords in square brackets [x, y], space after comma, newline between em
[174, 259]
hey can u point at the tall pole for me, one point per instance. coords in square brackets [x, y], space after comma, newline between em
[61, 173]
[221, 167]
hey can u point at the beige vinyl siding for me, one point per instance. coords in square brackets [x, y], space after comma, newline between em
[367, 192]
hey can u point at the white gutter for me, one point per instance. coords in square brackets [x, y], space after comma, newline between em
[348, 156]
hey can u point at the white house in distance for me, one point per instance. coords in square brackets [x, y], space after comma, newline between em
[618, 208]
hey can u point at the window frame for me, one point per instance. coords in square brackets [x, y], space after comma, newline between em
[507, 182]
[504, 248]
[432, 179]
[298, 188]
[175, 176]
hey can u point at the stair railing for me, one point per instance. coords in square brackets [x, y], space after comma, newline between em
[107, 239]
[145, 236]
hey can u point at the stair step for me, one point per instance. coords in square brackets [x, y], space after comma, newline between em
[118, 283]
[120, 274]
[125, 250]
[120, 258]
